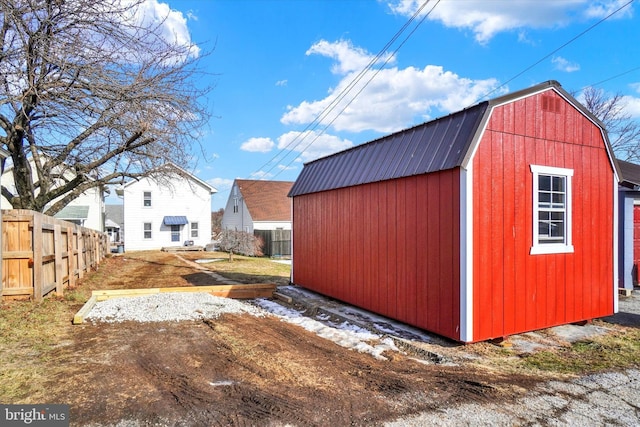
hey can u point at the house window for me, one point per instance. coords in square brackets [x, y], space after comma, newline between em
[235, 205]
[147, 230]
[175, 233]
[146, 199]
[551, 210]
[194, 229]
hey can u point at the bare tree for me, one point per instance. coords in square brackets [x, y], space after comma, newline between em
[624, 132]
[93, 94]
[239, 242]
[216, 222]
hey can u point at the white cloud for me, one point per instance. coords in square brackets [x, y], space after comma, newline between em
[281, 83]
[563, 64]
[391, 101]
[488, 18]
[312, 144]
[603, 8]
[192, 15]
[258, 145]
[635, 86]
[172, 23]
[261, 175]
[348, 58]
[220, 184]
[632, 106]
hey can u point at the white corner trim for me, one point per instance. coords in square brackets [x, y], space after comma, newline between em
[466, 254]
[616, 226]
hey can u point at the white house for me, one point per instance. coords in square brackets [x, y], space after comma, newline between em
[258, 205]
[86, 210]
[171, 212]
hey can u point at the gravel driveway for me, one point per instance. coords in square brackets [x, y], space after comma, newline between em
[611, 399]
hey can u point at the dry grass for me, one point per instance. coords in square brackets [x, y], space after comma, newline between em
[244, 269]
[30, 334]
[612, 351]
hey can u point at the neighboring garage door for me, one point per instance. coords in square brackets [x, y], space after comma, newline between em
[636, 242]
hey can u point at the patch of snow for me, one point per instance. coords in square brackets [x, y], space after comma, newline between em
[345, 334]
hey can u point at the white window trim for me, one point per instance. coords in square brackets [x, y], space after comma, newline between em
[552, 248]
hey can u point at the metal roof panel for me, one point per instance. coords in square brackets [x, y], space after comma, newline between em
[436, 145]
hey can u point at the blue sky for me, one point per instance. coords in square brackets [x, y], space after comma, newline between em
[277, 66]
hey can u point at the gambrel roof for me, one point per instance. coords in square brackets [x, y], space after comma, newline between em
[437, 145]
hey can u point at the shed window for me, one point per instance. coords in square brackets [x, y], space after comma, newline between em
[146, 199]
[551, 210]
[147, 230]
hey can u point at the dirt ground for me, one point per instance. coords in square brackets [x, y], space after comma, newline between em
[240, 370]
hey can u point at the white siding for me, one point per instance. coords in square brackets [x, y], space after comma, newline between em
[181, 197]
[236, 219]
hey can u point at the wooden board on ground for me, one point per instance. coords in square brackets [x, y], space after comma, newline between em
[183, 249]
[256, 290]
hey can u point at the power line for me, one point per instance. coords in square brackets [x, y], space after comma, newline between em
[557, 49]
[315, 123]
[367, 83]
[612, 77]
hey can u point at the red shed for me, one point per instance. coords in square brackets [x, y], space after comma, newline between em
[492, 221]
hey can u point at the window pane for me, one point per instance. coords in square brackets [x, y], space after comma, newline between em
[544, 183]
[558, 183]
[558, 200]
[544, 198]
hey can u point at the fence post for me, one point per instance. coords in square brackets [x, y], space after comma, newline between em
[71, 256]
[57, 250]
[81, 260]
[36, 258]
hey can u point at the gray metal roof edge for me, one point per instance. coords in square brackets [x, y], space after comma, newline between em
[627, 169]
[381, 140]
[385, 137]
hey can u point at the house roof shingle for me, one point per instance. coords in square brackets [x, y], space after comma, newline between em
[266, 200]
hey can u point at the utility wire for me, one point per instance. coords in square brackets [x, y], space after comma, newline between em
[366, 84]
[334, 103]
[611, 78]
[557, 49]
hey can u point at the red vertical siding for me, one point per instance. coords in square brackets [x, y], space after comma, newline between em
[398, 256]
[513, 290]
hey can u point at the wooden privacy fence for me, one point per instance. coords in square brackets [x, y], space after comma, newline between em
[277, 243]
[41, 254]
